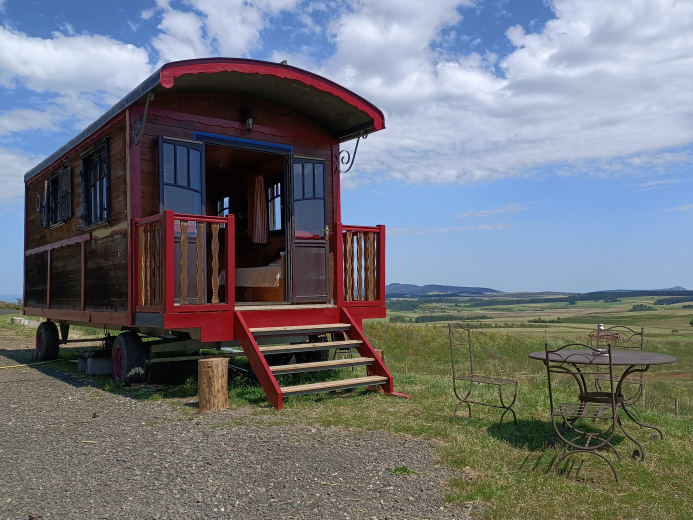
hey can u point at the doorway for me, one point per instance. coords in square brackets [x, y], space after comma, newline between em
[250, 185]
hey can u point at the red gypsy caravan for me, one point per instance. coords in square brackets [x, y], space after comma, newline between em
[203, 211]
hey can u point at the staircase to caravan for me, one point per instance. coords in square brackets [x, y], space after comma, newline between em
[344, 327]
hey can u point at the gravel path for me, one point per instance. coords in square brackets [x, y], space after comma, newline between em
[71, 451]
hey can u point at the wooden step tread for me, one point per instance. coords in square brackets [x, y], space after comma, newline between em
[321, 365]
[299, 329]
[329, 386]
[305, 347]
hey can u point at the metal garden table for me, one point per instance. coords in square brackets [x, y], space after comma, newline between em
[636, 361]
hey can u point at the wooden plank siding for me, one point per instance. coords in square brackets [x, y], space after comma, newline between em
[66, 278]
[181, 114]
[106, 253]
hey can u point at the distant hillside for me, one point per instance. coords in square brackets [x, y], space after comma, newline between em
[676, 288]
[406, 290]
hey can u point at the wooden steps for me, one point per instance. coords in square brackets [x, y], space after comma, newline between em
[296, 330]
[331, 386]
[307, 347]
[311, 356]
[321, 365]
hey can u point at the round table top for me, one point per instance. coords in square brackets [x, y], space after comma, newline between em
[619, 357]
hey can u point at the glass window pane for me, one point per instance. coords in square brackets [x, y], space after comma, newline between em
[104, 200]
[168, 165]
[275, 214]
[308, 180]
[298, 181]
[181, 166]
[309, 219]
[182, 201]
[195, 167]
[319, 181]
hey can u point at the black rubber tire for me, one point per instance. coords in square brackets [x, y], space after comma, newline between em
[47, 341]
[129, 348]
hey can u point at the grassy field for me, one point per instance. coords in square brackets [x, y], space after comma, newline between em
[509, 467]
[666, 322]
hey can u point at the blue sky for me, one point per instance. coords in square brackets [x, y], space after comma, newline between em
[534, 145]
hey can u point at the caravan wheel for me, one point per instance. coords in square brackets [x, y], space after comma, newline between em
[128, 359]
[47, 341]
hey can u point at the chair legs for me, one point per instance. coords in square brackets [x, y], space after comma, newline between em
[502, 406]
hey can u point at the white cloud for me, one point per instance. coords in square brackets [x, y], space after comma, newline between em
[13, 165]
[70, 64]
[181, 37]
[688, 207]
[657, 185]
[231, 28]
[399, 231]
[508, 208]
[23, 119]
[603, 81]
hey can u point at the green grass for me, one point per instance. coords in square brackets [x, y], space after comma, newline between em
[511, 465]
[508, 467]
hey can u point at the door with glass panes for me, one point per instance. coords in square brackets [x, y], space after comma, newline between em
[181, 189]
[309, 231]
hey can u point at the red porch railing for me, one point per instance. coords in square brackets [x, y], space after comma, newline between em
[361, 271]
[179, 263]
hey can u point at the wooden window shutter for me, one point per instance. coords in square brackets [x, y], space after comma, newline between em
[65, 193]
[45, 205]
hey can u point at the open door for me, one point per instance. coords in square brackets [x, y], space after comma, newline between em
[182, 181]
[309, 232]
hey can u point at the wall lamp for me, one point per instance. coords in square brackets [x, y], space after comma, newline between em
[249, 121]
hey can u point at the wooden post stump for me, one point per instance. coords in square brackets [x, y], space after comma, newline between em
[213, 384]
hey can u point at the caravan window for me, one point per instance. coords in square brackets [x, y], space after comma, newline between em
[96, 185]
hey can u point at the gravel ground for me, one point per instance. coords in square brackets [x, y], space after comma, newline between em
[71, 451]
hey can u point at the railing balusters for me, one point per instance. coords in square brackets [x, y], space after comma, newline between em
[215, 263]
[359, 266]
[362, 280]
[143, 271]
[370, 262]
[158, 263]
[183, 262]
[151, 235]
[200, 244]
[348, 267]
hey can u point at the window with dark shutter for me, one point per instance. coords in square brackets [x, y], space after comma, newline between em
[56, 198]
[96, 189]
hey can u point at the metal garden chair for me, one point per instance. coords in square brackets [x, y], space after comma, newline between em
[621, 337]
[599, 408]
[461, 337]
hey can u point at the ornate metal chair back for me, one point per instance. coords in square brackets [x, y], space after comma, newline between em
[591, 361]
[460, 339]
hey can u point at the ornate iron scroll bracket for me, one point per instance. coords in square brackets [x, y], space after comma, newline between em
[347, 158]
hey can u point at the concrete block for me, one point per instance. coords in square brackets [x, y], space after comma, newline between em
[98, 365]
[82, 364]
[24, 321]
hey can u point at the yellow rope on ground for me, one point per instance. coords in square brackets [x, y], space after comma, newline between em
[30, 364]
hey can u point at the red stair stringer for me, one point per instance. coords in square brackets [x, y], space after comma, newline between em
[258, 363]
[366, 350]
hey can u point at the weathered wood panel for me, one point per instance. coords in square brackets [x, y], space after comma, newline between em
[107, 274]
[36, 275]
[106, 289]
[66, 278]
[37, 236]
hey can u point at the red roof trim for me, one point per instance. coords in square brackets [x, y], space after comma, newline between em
[171, 71]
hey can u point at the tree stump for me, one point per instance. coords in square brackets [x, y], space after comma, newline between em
[213, 384]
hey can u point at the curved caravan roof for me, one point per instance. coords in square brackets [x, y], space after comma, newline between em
[337, 109]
